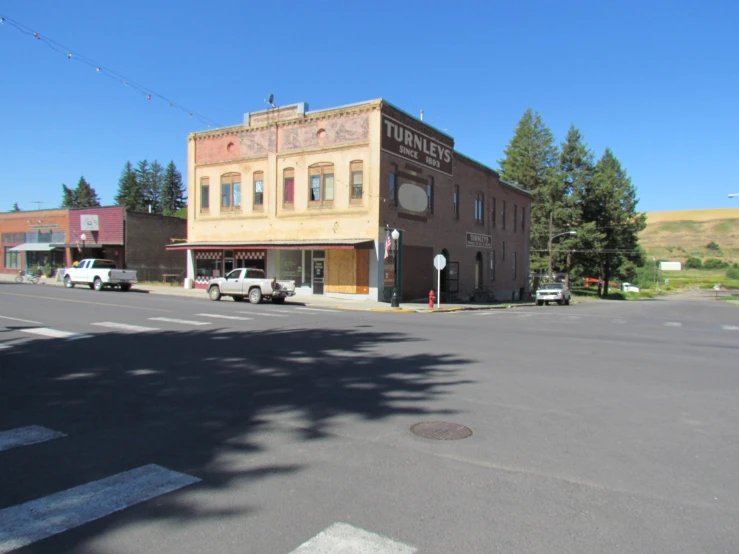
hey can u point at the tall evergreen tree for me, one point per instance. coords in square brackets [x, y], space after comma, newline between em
[85, 195]
[531, 162]
[16, 207]
[172, 193]
[609, 202]
[129, 191]
[146, 183]
[69, 197]
[152, 196]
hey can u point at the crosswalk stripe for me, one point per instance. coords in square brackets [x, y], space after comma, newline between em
[316, 310]
[124, 326]
[19, 319]
[23, 436]
[182, 321]
[730, 327]
[263, 314]
[342, 537]
[221, 316]
[673, 324]
[44, 517]
[54, 333]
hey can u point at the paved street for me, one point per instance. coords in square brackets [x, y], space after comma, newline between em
[133, 422]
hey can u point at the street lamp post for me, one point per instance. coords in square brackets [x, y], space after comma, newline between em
[551, 238]
[395, 301]
[83, 238]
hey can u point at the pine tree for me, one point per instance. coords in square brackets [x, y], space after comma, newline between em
[16, 208]
[129, 191]
[85, 195]
[69, 197]
[531, 162]
[146, 185]
[152, 196]
[609, 202]
[172, 193]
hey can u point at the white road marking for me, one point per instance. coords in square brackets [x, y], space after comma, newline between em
[263, 314]
[316, 310]
[219, 316]
[673, 324]
[5, 346]
[730, 327]
[21, 320]
[182, 321]
[38, 519]
[23, 436]
[344, 538]
[124, 326]
[54, 333]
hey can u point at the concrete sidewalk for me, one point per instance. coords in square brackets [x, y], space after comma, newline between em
[308, 301]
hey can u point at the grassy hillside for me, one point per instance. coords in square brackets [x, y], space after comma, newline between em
[676, 235]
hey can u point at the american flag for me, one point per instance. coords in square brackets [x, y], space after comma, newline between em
[388, 245]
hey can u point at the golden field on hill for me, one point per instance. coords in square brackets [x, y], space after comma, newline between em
[676, 235]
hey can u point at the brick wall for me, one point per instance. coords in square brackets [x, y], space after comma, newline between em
[147, 235]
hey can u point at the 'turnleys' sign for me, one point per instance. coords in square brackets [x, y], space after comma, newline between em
[415, 146]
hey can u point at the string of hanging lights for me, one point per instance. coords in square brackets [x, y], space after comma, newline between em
[102, 70]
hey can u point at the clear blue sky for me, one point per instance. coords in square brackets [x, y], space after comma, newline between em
[655, 81]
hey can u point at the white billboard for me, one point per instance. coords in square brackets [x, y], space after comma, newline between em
[89, 222]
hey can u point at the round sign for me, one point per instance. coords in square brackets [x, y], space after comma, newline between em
[439, 262]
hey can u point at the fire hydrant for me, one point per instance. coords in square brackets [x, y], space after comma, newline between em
[432, 297]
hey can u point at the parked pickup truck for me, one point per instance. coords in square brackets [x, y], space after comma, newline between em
[552, 292]
[252, 284]
[98, 274]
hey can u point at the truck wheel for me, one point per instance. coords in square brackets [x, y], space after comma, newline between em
[92, 287]
[125, 287]
[255, 296]
[68, 282]
[214, 293]
[97, 284]
[278, 300]
[539, 302]
[238, 298]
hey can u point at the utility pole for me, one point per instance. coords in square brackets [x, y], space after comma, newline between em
[551, 218]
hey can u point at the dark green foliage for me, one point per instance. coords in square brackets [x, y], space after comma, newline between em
[172, 194]
[16, 208]
[693, 263]
[129, 192]
[83, 196]
[733, 272]
[713, 246]
[714, 263]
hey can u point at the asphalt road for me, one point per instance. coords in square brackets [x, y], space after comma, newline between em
[600, 427]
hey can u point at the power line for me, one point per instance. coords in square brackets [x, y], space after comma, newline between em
[110, 73]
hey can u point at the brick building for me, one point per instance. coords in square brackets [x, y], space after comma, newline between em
[312, 196]
[55, 237]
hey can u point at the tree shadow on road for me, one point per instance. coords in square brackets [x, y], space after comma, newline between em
[200, 403]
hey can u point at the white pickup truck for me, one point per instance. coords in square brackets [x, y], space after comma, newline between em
[98, 274]
[250, 283]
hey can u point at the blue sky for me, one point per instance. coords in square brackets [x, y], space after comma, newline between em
[655, 81]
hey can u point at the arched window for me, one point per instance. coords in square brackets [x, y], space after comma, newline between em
[205, 194]
[231, 192]
[321, 182]
[258, 189]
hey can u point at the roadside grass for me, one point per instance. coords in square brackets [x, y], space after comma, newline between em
[615, 295]
[732, 297]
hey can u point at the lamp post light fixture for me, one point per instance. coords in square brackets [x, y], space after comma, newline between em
[395, 301]
[83, 238]
[551, 238]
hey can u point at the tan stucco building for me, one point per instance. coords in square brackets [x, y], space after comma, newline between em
[312, 196]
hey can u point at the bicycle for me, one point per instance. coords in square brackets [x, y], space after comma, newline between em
[27, 276]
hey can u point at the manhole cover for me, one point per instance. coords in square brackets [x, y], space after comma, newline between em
[441, 430]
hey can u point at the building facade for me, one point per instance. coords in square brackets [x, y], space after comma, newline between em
[312, 196]
[58, 238]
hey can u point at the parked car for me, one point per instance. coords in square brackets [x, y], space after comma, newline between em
[252, 284]
[99, 274]
[553, 292]
[628, 287]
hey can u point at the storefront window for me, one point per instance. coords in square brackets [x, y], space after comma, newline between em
[12, 259]
[208, 268]
[291, 266]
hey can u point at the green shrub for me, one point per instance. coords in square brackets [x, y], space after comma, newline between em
[732, 272]
[693, 263]
[713, 245]
[715, 263]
